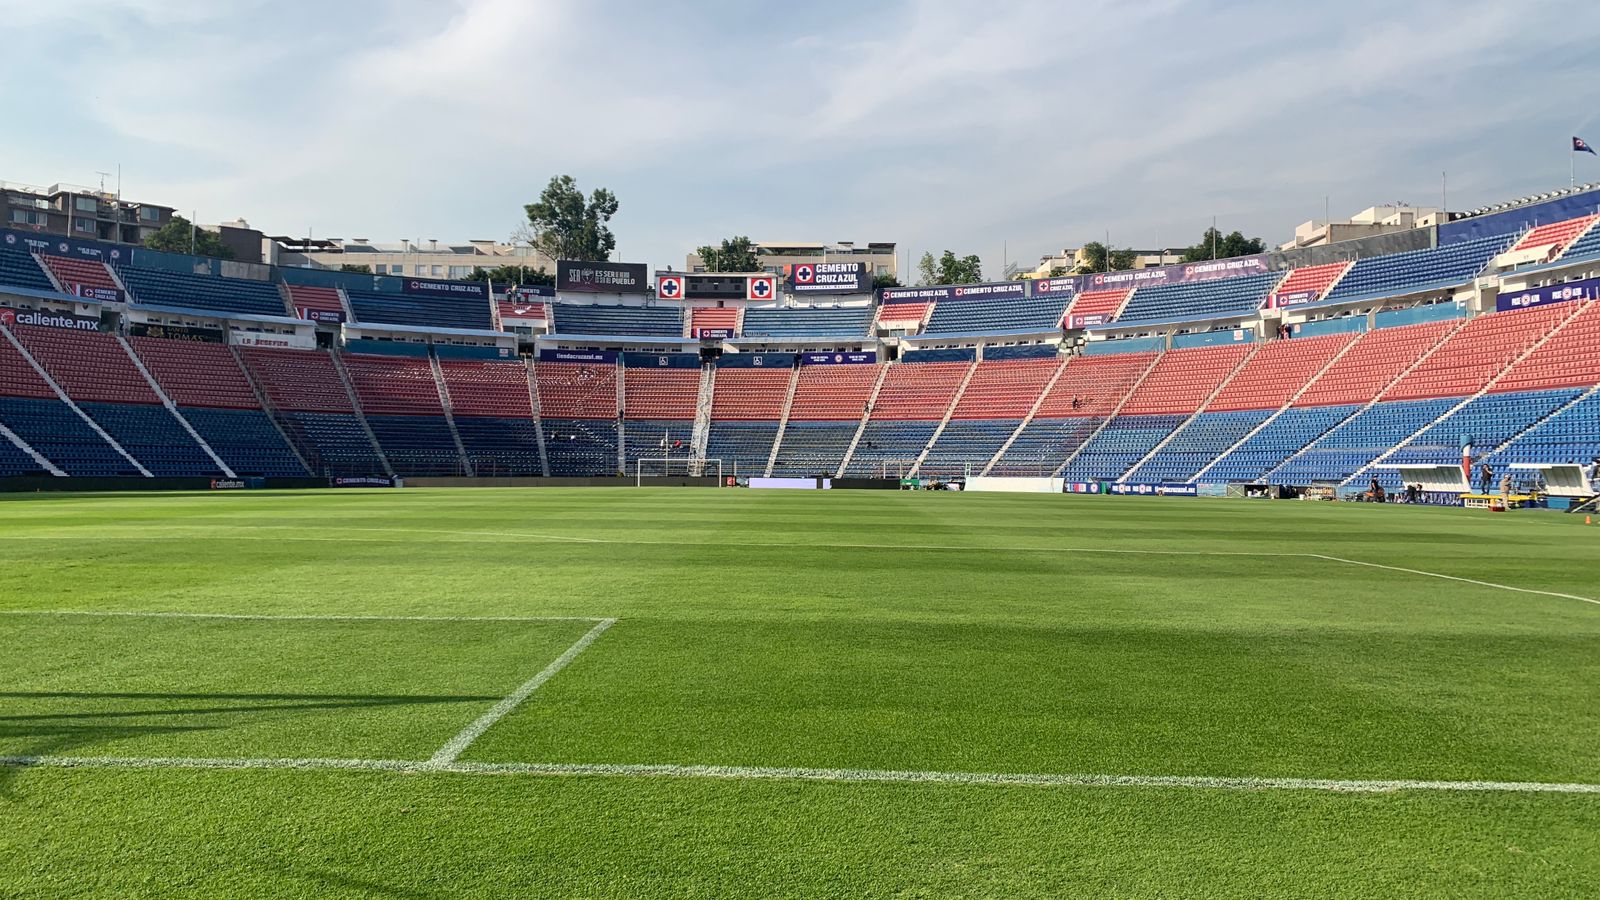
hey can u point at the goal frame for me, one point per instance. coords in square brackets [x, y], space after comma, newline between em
[693, 467]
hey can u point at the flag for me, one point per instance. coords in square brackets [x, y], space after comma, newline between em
[1579, 145]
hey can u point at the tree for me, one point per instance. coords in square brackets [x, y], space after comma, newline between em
[180, 236]
[1216, 245]
[1059, 272]
[736, 254]
[1095, 260]
[949, 269]
[884, 281]
[521, 275]
[354, 269]
[563, 225]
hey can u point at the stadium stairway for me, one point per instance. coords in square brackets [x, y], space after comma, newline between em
[538, 417]
[1027, 418]
[701, 436]
[861, 426]
[1199, 410]
[783, 420]
[944, 422]
[48, 422]
[1116, 411]
[449, 414]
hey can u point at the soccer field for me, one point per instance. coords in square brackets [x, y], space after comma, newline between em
[655, 692]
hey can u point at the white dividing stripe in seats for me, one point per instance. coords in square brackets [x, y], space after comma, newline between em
[762, 773]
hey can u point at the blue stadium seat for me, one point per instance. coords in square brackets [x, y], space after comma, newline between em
[18, 268]
[1124, 441]
[1199, 300]
[422, 310]
[1359, 440]
[895, 442]
[1588, 244]
[15, 462]
[644, 437]
[642, 321]
[1569, 436]
[1269, 447]
[585, 447]
[742, 446]
[991, 315]
[500, 447]
[1400, 273]
[159, 287]
[1044, 444]
[333, 443]
[842, 322]
[966, 446]
[154, 438]
[1198, 443]
[54, 430]
[246, 440]
[417, 446]
[812, 448]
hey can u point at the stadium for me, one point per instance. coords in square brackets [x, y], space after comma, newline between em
[1258, 575]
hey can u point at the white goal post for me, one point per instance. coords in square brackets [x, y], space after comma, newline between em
[674, 467]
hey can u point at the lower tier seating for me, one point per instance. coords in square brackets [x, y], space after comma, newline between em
[581, 446]
[154, 437]
[1124, 441]
[1359, 440]
[966, 446]
[500, 447]
[812, 448]
[15, 462]
[1569, 436]
[247, 441]
[644, 440]
[417, 445]
[743, 447]
[1490, 421]
[333, 443]
[1280, 439]
[1043, 445]
[61, 436]
[1198, 443]
[890, 446]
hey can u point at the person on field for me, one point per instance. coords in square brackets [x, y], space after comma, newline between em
[1485, 478]
[1505, 489]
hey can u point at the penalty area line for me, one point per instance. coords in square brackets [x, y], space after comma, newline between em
[764, 773]
[289, 617]
[1423, 572]
[458, 744]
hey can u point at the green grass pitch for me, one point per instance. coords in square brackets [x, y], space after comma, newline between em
[839, 694]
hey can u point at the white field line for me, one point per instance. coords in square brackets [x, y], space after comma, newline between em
[454, 748]
[1490, 584]
[765, 773]
[290, 617]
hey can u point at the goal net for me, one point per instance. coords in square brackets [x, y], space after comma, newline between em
[675, 467]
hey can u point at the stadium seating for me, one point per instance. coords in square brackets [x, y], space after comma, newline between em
[624, 321]
[1567, 359]
[1373, 362]
[18, 268]
[1571, 435]
[1122, 442]
[420, 310]
[1004, 389]
[1490, 421]
[1401, 273]
[991, 315]
[88, 365]
[1183, 379]
[72, 270]
[1313, 280]
[1201, 440]
[305, 299]
[813, 447]
[493, 410]
[1198, 300]
[906, 317]
[61, 436]
[1092, 305]
[746, 407]
[919, 390]
[1089, 389]
[966, 446]
[577, 390]
[13, 461]
[714, 318]
[1281, 438]
[1587, 244]
[581, 446]
[1358, 440]
[889, 447]
[161, 287]
[1478, 351]
[511, 310]
[1277, 371]
[664, 394]
[833, 393]
[314, 409]
[400, 397]
[247, 441]
[805, 321]
[1555, 236]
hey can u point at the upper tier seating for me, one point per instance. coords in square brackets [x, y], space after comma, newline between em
[642, 321]
[485, 388]
[994, 315]
[1277, 370]
[714, 318]
[159, 287]
[919, 390]
[19, 269]
[1477, 352]
[421, 310]
[510, 310]
[1556, 235]
[804, 321]
[1377, 358]
[1102, 305]
[750, 394]
[297, 380]
[577, 391]
[194, 373]
[1313, 279]
[394, 385]
[72, 270]
[1418, 270]
[833, 393]
[1199, 300]
[903, 316]
[87, 365]
[1183, 379]
[304, 299]
[1004, 389]
[1568, 359]
[1587, 244]
[660, 393]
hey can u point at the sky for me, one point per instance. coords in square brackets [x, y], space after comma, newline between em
[1009, 129]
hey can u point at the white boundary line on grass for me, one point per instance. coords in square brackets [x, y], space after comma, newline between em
[1503, 587]
[291, 617]
[458, 744]
[765, 773]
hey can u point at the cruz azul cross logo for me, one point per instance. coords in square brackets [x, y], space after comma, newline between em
[670, 287]
[761, 287]
[804, 274]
